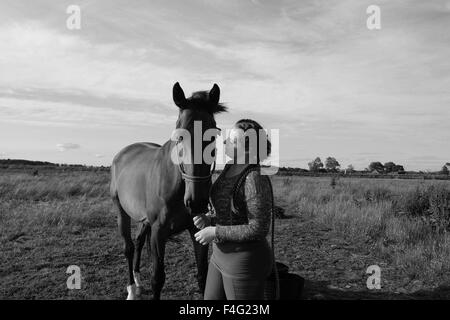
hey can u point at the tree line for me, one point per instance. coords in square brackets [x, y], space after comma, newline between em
[332, 165]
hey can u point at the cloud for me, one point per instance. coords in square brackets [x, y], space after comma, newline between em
[63, 113]
[3, 155]
[88, 99]
[71, 62]
[67, 146]
[99, 156]
[309, 68]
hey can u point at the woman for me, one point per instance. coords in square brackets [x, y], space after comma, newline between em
[242, 258]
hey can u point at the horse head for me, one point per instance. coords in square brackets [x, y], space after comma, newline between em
[194, 143]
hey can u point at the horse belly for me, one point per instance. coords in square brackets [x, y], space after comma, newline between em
[131, 193]
[129, 179]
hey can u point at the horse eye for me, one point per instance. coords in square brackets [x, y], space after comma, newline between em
[180, 138]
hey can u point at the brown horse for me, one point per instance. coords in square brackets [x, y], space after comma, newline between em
[149, 187]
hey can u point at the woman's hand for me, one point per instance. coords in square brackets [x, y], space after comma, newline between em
[202, 221]
[206, 235]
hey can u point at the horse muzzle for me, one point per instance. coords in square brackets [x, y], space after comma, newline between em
[196, 209]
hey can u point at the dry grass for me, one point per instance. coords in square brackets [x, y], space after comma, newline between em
[393, 216]
[51, 221]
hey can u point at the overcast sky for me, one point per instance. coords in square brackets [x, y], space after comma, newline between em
[309, 68]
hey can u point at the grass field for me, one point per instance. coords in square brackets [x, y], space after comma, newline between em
[332, 234]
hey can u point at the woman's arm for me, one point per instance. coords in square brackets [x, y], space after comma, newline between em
[258, 197]
[212, 219]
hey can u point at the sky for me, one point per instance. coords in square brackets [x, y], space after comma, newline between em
[311, 69]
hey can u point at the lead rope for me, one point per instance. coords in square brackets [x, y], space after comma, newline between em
[277, 276]
[233, 209]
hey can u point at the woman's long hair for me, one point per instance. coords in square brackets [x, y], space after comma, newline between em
[247, 124]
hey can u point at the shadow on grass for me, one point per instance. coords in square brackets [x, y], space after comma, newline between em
[319, 290]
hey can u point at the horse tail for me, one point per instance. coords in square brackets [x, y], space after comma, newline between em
[171, 238]
[149, 245]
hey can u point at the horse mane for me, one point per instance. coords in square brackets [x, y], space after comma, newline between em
[200, 101]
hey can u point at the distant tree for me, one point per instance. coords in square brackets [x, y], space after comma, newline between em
[315, 165]
[331, 164]
[398, 168]
[444, 170]
[389, 167]
[378, 166]
[350, 168]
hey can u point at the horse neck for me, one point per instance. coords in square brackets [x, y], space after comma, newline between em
[172, 170]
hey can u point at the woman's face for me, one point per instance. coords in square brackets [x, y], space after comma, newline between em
[235, 143]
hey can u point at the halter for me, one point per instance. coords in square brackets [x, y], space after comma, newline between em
[188, 177]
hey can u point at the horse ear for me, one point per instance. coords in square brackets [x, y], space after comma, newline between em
[214, 94]
[178, 96]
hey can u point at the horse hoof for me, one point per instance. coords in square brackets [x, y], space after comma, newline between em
[138, 283]
[131, 292]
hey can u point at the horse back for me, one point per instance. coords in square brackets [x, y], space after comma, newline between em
[129, 172]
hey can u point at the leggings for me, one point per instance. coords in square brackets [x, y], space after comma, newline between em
[222, 287]
[237, 271]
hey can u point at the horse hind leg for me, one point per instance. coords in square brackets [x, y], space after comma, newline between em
[124, 224]
[144, 230]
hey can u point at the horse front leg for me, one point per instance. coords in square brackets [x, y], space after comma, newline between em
[158, 246]
[144, 230]
[201, 258]
[124, 224]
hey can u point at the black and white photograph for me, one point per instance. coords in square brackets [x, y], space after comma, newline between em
[250, 150]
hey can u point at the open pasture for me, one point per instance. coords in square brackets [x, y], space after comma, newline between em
[332, 234]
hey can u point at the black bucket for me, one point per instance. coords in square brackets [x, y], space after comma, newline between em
[291, 285]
